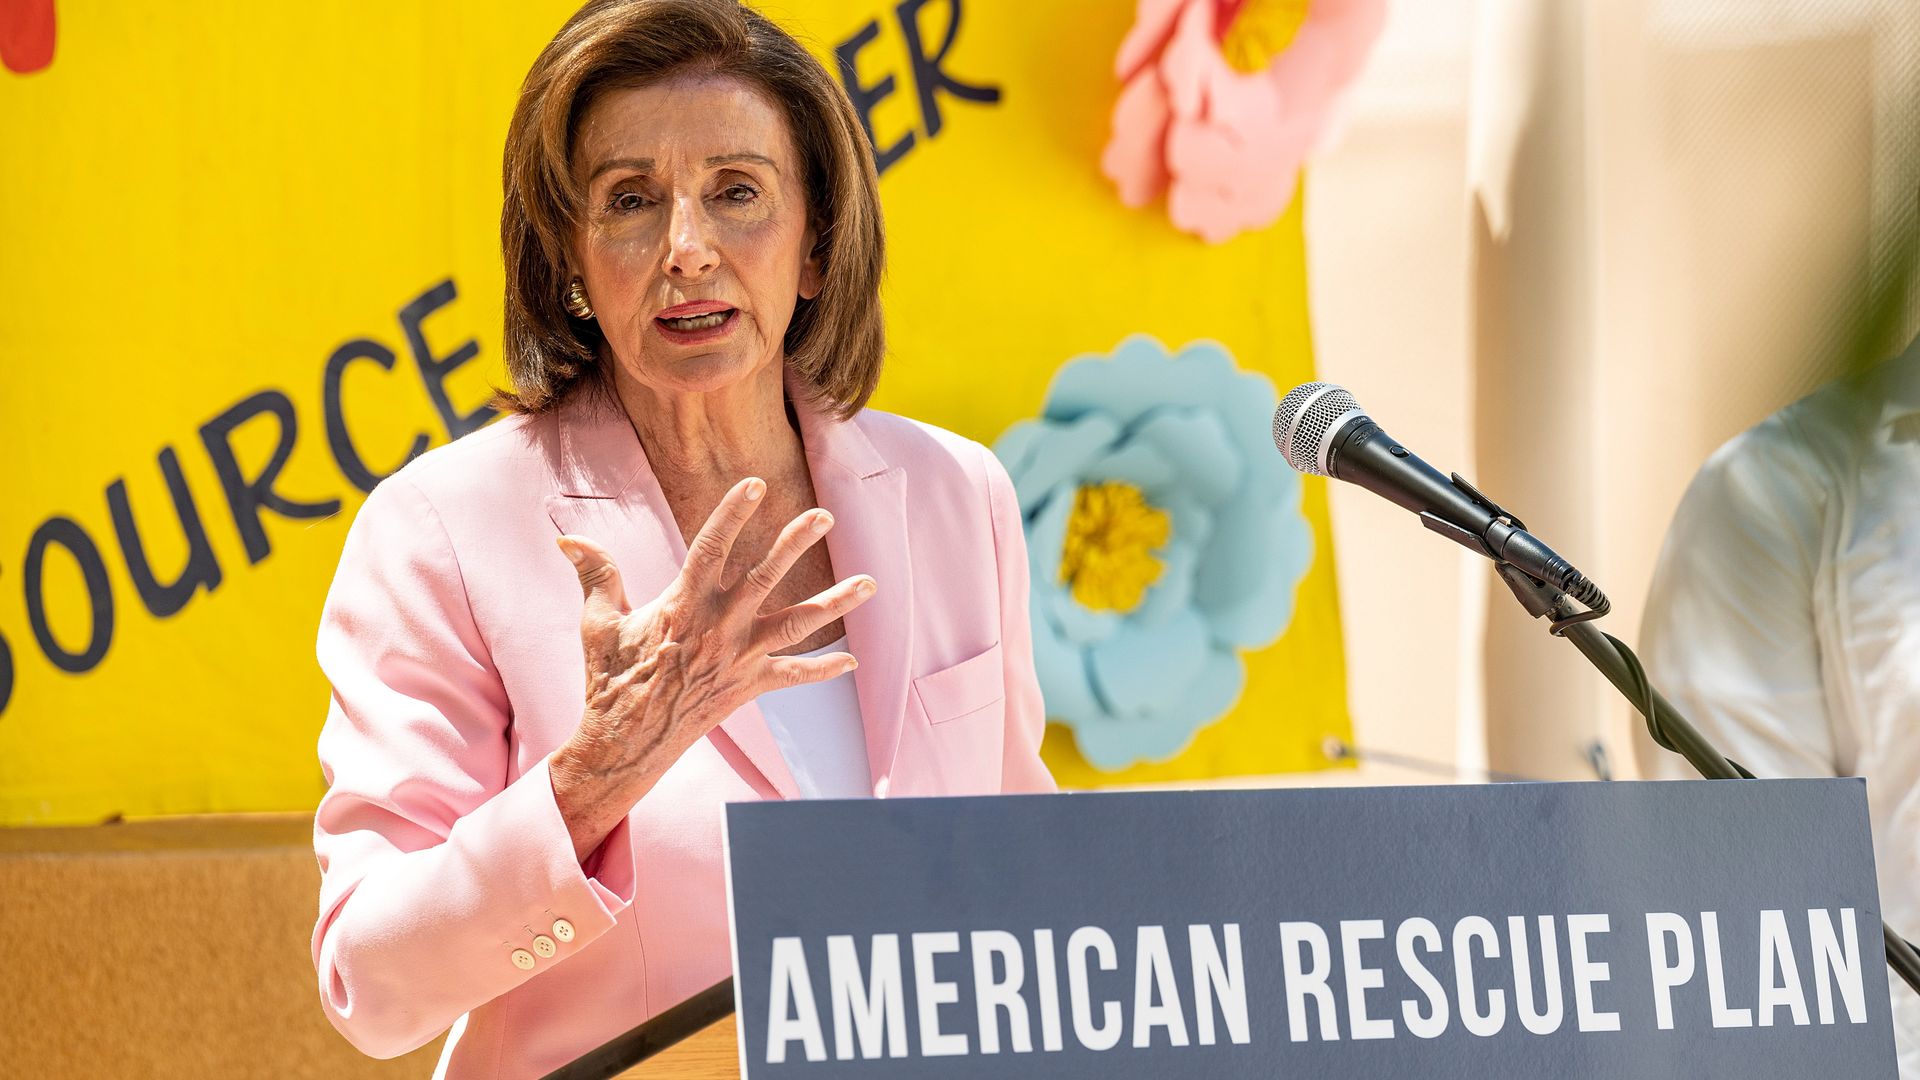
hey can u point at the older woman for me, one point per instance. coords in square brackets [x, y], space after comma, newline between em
[527, 848]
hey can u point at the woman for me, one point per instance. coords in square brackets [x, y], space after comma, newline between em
[531, 848]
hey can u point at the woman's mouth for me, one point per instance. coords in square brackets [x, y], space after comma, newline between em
[696, 323]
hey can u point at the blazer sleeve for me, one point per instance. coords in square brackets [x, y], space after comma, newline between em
[435, 864]
[1730, 633]
[1021, 769]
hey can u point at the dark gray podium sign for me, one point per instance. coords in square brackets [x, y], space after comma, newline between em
[1726, 929]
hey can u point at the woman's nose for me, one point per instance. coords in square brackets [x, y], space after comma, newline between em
[690, 251]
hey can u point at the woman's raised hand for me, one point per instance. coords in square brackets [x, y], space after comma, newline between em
[660, 676]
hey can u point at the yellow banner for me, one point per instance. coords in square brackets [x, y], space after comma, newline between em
[252, 265]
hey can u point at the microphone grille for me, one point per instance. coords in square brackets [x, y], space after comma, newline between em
[1303, 420]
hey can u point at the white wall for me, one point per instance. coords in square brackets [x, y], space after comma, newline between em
[1387, 259]
[1567, 249]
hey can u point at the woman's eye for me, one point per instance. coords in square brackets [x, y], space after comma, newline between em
[740, 193]
[627, 202]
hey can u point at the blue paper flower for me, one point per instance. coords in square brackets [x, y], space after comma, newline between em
[1165, 535]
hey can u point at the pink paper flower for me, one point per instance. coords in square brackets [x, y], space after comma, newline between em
[1224, 99]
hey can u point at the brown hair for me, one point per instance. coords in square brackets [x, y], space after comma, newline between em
[836, 340]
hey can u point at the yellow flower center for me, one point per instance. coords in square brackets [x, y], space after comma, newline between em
[1259, 31]
[1108, 560]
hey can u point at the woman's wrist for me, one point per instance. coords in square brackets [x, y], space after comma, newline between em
[586, 798]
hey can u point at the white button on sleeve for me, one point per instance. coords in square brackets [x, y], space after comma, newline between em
[523, 959]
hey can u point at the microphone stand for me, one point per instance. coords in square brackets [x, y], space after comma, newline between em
[1664, 722]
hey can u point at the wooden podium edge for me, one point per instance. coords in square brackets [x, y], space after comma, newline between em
[696, 1039]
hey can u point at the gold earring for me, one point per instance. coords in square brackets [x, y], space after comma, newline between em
[576, 301]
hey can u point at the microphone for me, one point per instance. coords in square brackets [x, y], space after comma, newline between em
[1322, 431]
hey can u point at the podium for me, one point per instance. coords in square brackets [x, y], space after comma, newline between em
[694, 1040]
[1574, 930]
[712, 1053]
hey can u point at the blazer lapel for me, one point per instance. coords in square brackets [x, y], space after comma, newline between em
[868, 502]
[609, 494]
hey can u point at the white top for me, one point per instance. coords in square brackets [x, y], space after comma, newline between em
[820, 734]
[1784, 618]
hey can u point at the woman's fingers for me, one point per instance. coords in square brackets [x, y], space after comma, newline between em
[782, 628]
[800, 534]
[599, 578]
[795, 670]
[707, 554]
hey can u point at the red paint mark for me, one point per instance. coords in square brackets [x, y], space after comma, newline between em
[26, 35]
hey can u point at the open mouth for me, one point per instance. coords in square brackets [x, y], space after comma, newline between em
[693, 324]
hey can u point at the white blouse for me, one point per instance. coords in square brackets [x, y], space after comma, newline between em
[818, 728]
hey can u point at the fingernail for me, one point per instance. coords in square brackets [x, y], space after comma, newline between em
[756, 487]
[571, 550]
[852, 662]
[821, 520]
[865, 587]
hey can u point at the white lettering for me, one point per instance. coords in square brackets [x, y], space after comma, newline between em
[1539, 1023]
[1434, 1023]
[1479, 1023]
[861, 1003]
[931, 993]
[1048, 983]
[1829, 960]
[1361, 978]
[1776, 959]
[1587, 972]
[1212, 977]
[1723, 1017]
[1303, 981]
[1668, 974]
[1153, 977]
[1079, 944]
[990, 995]
[792, 993]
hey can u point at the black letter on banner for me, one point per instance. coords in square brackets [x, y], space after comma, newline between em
[352, 465]
[927, 76]
[866, 97]
[246, 496]
[68, 534]
[6, 674]
[434, 370]
[202, 567]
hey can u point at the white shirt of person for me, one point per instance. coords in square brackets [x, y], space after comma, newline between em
[1784, 616]
[818, 728]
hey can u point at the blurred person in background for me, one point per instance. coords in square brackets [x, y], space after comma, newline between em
[1784, 615]
[527, 848]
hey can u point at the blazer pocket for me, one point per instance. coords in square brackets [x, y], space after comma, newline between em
[967, 687]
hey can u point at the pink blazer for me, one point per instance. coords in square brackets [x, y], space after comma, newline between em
[450, 895]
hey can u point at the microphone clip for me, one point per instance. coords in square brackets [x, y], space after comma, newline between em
[1485, 503]
[1477, 543]
[1535, 595]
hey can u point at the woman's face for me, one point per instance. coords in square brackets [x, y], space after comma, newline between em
[695, 244]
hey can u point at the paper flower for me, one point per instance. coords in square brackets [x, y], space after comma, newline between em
[1223, 100]
[26, 35]
[1165, 535]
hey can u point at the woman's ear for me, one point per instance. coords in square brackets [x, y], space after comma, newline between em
[810, 276]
